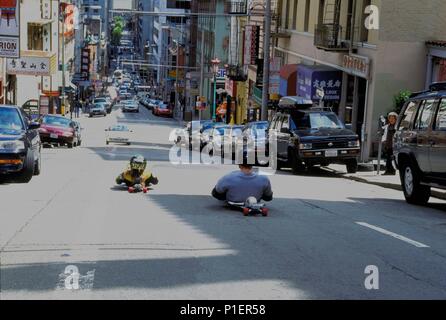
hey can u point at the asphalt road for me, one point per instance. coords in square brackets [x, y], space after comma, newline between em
[177, 242]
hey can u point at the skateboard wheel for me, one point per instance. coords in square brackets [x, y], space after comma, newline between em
[265, 212]
[145, 190]
[245, 211]
[131, 190]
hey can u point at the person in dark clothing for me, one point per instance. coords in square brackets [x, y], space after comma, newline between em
[77, 107]
[387, 140]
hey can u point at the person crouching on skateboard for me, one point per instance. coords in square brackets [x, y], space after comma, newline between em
[238, 186]
[136, 174]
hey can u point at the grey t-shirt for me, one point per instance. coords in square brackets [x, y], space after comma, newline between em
[239, 186]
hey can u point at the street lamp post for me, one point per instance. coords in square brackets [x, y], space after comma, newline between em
[215, 64]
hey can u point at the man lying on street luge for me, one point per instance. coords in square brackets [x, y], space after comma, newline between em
[238, 186]
[136, 173]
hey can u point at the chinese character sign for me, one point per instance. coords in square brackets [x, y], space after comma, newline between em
[310, 80]
[35, 66]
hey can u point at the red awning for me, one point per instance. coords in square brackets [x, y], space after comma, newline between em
[287, 71]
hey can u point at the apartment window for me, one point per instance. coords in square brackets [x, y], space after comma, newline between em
[307, 15]
[35, 37]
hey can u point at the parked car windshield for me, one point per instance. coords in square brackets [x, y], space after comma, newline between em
[56, 121]
[10, 119]
[315, 120]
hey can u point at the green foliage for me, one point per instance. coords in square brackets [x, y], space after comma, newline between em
[400, 99]
[118, 28]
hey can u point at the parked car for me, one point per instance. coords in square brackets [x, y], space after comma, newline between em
[98, 109]
[254, 140]
[223, 137]
[118, 134]
[190, 135]
[420, 144]
[106, 101]
[20, 145]
[163, 110]
[153, 103]
[145, 102]
[308, 135]
[55, 129]
[130, 106]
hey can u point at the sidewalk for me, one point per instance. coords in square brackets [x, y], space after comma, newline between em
[371, 177]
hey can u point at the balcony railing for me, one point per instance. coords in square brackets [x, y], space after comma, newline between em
[236, 6]
[236, 73]
[328, 37]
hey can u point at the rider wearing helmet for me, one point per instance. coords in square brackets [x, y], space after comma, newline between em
[136, 173]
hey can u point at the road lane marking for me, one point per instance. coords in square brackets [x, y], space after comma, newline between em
[394, 235]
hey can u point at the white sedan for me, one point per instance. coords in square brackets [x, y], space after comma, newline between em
[130, 106]
[119, 134]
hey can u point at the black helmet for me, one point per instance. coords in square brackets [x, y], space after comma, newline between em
[138, 162]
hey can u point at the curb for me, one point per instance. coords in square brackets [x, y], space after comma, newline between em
[397, 187]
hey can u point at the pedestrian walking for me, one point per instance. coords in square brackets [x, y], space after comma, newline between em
[387, 140]
[77, 107]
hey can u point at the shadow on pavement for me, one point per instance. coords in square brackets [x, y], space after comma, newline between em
[120, 153]
[290, 247]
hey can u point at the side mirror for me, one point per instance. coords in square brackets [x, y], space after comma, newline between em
[34, 126]
[348, 126]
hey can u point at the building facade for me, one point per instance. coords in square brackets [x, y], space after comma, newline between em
[361, 52]
[46, 62]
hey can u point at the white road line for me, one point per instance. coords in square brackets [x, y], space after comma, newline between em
[394, 235]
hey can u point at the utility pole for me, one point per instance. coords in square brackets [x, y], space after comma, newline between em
[63, 63]
[201, 71]
[266, 61]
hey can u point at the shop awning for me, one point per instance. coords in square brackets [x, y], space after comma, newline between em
[288, 79]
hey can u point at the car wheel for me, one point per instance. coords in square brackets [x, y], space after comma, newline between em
[38, 165]
[70, 145]
[28, 169]
[297, 167]
[352, 166]
[414, 191]
[107, 143]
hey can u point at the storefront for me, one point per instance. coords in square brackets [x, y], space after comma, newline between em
[436, 62]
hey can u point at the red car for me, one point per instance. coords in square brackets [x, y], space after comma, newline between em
[162, 110]
[58, 130]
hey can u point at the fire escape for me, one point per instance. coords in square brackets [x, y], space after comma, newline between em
[328, 32]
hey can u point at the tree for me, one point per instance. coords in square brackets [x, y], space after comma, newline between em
[118, 28]
[400, 99]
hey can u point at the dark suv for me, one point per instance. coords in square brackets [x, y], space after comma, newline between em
[420, 144]
[19, 145]
[308, 135]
